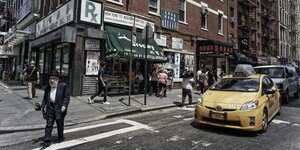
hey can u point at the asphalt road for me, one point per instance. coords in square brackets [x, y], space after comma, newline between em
[172, 129]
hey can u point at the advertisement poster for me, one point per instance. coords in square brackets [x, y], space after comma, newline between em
[177, 59]
[177, 71]
[92, 64]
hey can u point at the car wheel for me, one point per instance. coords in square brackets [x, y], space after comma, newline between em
[264, 122]
[296, 95]
[286, 97]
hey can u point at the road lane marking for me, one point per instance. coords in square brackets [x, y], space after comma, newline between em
[280, 121]
[3, 85]
[296, 124]
[135, 126]
[178, 116]
[90, 138]
[91, 126]
[188, 119]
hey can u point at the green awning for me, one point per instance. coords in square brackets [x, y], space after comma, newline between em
[118, 45]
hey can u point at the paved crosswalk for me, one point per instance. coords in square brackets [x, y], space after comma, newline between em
[134, 126]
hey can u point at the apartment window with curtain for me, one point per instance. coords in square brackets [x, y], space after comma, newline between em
[182, 10]
[154, 6]
[220, 23]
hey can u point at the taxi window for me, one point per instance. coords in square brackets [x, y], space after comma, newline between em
[237, 84]
[270, 82]
[265, 84]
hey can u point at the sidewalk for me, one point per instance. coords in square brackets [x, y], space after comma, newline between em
[19, 115]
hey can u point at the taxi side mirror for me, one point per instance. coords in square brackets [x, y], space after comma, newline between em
[270, 91]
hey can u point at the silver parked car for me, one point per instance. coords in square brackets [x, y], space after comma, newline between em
[285, 78]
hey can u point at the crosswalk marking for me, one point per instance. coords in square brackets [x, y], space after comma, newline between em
[279, 121]
[135, 126]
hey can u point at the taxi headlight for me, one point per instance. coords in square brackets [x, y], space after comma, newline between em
[250, 105]
[200, 101]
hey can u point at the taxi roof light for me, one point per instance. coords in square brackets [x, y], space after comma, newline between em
[243, 70]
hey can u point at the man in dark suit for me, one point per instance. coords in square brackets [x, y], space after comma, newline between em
[56, 100]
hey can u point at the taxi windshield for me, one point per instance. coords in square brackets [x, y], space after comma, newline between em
[237, 84]
[272, 72]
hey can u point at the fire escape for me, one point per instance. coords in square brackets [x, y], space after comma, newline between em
[247, 25]
[269, 30]
[294, 32]
[7, 17]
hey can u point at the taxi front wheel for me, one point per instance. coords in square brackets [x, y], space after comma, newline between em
[264, 123]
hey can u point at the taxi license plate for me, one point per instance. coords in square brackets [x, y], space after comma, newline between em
[217, 116]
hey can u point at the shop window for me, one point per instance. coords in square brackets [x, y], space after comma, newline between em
[61, 60]
[180, 62]
[65, 61]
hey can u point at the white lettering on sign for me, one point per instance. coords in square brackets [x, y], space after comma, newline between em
[92, 44]
[126, 20]
[91, 12]
[58, 18]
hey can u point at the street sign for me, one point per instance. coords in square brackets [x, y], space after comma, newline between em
[147, 34]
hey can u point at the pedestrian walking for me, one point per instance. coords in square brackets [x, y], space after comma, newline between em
[201, 79]
[140, 80]
[56, 100]
[153, 81]
[162, 83]
[101, 85]
[211, 77]
[187, 87]
[32, 76]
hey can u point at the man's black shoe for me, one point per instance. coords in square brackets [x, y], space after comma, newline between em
[60, 140]
[45, 144]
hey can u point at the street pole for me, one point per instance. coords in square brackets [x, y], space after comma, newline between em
[130, 62]
[146, 67]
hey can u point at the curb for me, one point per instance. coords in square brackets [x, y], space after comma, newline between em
[79, 121]
[42, 126]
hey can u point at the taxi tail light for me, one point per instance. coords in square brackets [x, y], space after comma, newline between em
[252, 121]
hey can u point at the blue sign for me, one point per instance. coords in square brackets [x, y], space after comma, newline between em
[169, 20]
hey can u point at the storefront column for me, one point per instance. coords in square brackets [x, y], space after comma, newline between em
[226, 66]
[78, 65]
[22, 55]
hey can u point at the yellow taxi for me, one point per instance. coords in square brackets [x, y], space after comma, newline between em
[244, 100]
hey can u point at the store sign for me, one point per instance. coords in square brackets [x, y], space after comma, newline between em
[126, 20]
[58, 18]
[91, 12]
[92, 44]
[177, 43]
[161, 40]
[169, 20]
[7, 50]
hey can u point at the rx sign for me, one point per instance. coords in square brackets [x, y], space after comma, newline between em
[91, 11]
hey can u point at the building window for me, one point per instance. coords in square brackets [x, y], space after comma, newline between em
[220, 23]
[154, 6]
[116, 1]
[204, 21]
[182, 8]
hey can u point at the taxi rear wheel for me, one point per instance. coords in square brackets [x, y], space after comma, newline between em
[264, 123]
